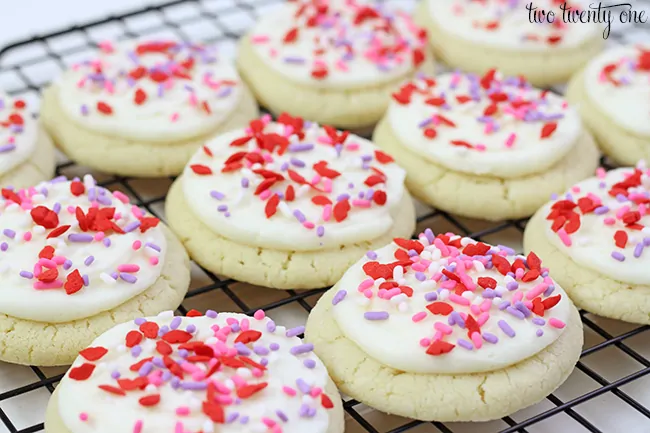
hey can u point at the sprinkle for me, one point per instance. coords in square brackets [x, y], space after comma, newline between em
[376, 315]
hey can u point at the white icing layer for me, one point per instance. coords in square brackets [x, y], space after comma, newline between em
[34, 288]
[505, 24]
[595, 244]
[153, 91]
[339, 43]
[479, 126]
[399, 330]
[618, 83]
[183, 397]
[18, 133]
[233, 205]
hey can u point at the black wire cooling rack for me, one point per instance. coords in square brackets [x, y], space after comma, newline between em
[593, 389]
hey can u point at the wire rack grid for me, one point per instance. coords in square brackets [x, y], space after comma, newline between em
[608, 391]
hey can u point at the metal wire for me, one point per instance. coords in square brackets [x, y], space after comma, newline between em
[218, 18]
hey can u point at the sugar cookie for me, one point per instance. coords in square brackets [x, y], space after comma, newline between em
[76, 259]
[143, 109]
[26, 152]
[288, 204]
[594, 240]
[612, 94]
[332, 61]
[476, 36]
[485, 147]
[226, 373]
[446, 328]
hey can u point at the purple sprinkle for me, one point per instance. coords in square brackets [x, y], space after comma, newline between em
[145, 369]
[295, 331]
[646, 242]
[301, 349]
[242, 349]
[296, 60]
[67, 264]
[56, 208]
[26, 274]
[132, 226]
[232, 417]
[506, 328]
[281, 415]
[539, 332]
[457, 318]
[300, 147]
[274, 346]
[309, 363]
[618, 256]
[115, 375]
[376, 315]
[431, 296]
[7, 148]
[343, 197]
[518, 314]
[211, 314]
[270, 326]
[638, 250]
[264, 361]
[139, 321]
[302, 386]
[191, 329]
[320, 231]
[420, 276]
[465, 344]
[371, 255]
[488, 294]
[521, 307]
[217, 195]
[84, 110]
[549, 290]
[222, 208]
[136, 351]
[490, 338]
[539, 321]
[504, 304]
[106, 242]
[128, 277]
[244, 182]
[512, 285]
[175, 323]
[261, 350]
[89, 260]
[340, 295]
[601, 210]
[80, 237]
[299, 216]
[152, 246]
[183, 353]
[163, 330]
[158, 362]
[194, 385]
[9, 233]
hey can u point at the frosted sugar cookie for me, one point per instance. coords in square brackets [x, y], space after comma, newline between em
[485, 147]
[594, 240]
[476, 36]
[142, 109]
[332, 61]
[76, 259]
[225, 373]
[26, 152]
[446, 328]
[612, 94]
[288, 204]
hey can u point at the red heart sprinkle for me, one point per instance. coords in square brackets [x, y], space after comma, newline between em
[82, 372]
[94, 353]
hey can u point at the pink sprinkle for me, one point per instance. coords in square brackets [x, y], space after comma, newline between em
[174, 117]
[268, 422]
[327, 184]
[153, 261]
[368, 282]
[121, 197]
[259, 315]
[266, 194]
[518, 296]
[266, 119]
[27, 236]
[556, 323]
[361, 203]
[476, 339]
[245, 324]
[352, 147]
[485, 305]
[458, 299]
[136, 245]
[536, 291]
[289, 391]
[316, 391]
[50, 264]
[128, 268]
[368, 293]
[600, 173]
[137, 428]
[83, 416]
[308, 225]
[99, 236]
[178, 427]
[137, 212]
[480, 147]
[484, 317]
[425, 342]
[564, 237]
[511, 140]
[327, 212]
[519, 273]
[608, 221]
[419, 316]
[443, 327]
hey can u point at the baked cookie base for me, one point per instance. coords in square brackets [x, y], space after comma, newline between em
[542, 68]
[38, 167]
[441, 397]
[623, 146]
[355, 109]
[483, 197]
[272, 268]
[54, 423]
[48, 344]
[587, 288]
[126, 157]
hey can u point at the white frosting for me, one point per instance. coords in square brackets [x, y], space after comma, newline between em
[23, 296]
[507, 143]
[593, 245]
[396, 341]
[189, 91]
[623, 94]
[84, 399]
[505, 24]
[18, 133]
[333, 36]
[228, 203]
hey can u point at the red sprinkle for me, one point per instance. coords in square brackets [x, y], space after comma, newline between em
[440, 348]
[201, 169]
[93, 353]
[83, 372]
[548, 129]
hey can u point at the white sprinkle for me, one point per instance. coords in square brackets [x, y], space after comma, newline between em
[443, 295]
[107, 278]
[467, 295]
[478, 265]
[285, 209]
[398, 273]
[38, 230]
[166, 314]
[427, 285]
[403, 307]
